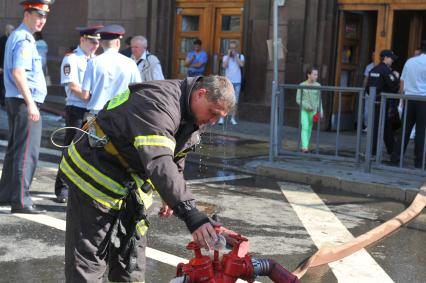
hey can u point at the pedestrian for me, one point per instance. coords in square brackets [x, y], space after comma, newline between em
[196, 60]
[148, 64]
[25, 92]
[110, 73]
[73, 68]
[7, 31]
[385, 80]
[233, 62]
[42, 49]
[413, 82]
[367, 70]
[143, 137]
[310, 104]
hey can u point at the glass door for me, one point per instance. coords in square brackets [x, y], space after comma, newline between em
[191, 23]
[229, 27]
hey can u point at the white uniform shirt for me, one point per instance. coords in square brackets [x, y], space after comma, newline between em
[72, 71]
[106, 76]
[233, 72]
[414, 76]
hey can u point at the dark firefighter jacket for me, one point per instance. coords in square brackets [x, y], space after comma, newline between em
[152, 128]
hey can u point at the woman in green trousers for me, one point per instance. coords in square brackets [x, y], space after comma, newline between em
[309, 101]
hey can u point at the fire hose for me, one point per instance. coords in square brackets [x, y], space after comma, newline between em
[238, 264]
[329, 254]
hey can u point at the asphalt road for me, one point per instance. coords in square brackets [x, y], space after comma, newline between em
[283, 221]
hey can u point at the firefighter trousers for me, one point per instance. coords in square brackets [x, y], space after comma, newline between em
[87, 226]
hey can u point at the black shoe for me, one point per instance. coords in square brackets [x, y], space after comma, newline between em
[27, 210]
[61, 199]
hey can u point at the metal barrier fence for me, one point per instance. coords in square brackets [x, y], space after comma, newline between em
[397, 161]
[277, 121]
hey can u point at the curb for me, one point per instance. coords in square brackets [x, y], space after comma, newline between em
[341, 183]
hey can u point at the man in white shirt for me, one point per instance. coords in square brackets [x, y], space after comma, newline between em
[232, 64]
[413, 82]
[148, 64]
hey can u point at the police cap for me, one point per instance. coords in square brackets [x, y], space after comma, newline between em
[89, 32]
[39, 6]
[388, 53]
[110, 32]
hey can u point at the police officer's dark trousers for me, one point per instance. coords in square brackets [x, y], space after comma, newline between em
[416, 115]
[73, 118]
[388, 133]
[22, 154]
[89, 222]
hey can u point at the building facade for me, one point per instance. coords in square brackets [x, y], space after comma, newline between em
[337, 36]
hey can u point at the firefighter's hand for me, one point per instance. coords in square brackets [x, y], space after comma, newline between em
[165, 211]
[205, 236]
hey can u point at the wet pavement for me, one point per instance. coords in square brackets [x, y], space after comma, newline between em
[252, 205]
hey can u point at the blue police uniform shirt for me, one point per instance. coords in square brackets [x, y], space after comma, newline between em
[21, 52]
[72, 71]
[106, 76]
[199, 58]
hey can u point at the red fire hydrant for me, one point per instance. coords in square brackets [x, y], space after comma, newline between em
[237, 264]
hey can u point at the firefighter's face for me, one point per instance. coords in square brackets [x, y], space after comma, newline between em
[204, 110]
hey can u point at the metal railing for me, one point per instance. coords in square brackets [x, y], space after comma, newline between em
[280, 133]
[277, 122]
[397, 162]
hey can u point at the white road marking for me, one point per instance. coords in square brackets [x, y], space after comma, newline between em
[217, 179]
[43, 164]
[43, 150]
[325, 228]
[44, 219]
[43, 196]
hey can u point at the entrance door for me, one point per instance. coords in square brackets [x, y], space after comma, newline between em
[229, 26]
[191, 23]
[408, 31]
[215, 22]
[357, 33]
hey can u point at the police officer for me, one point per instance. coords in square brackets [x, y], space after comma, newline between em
[110, 73]
[385, 80]
[25, 92]
[72, 73]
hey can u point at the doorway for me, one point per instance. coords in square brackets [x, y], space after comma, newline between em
[408, 32]
[356, 43]
[216, 23]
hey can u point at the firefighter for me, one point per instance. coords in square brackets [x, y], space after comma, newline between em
[138, 145]
[385, 80]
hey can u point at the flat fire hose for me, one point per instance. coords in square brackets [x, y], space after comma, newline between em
[329, 254]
